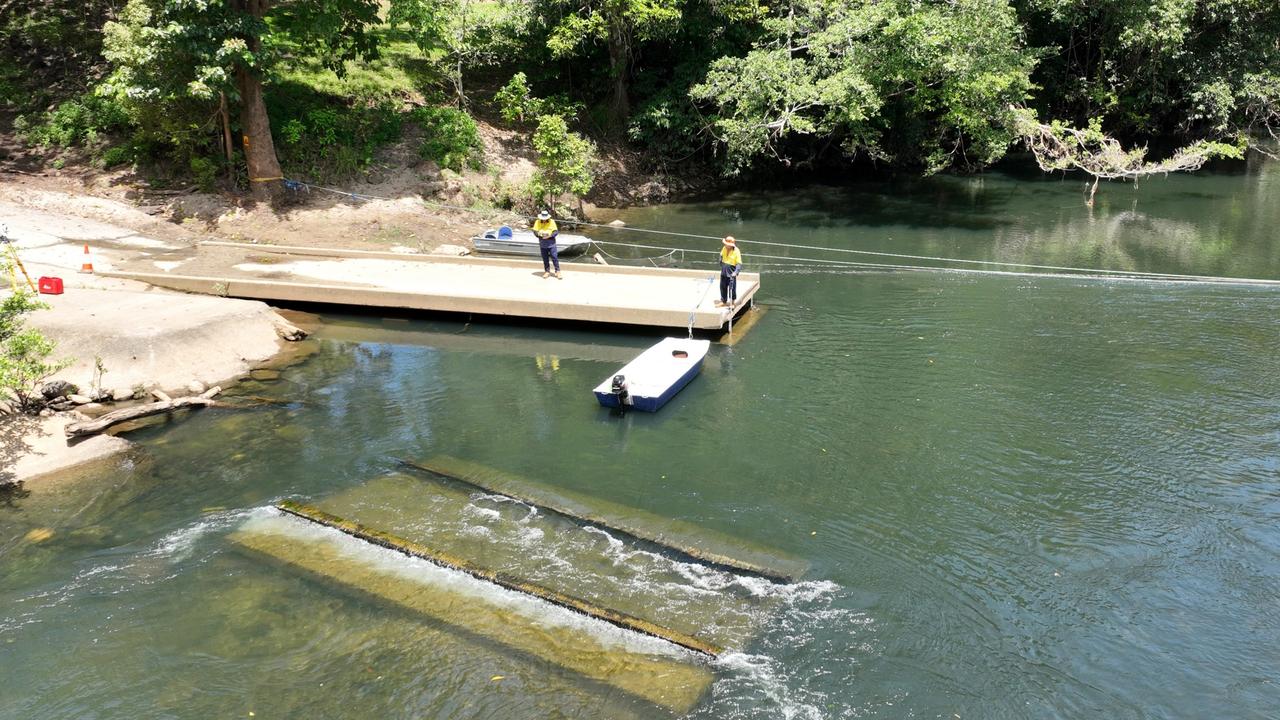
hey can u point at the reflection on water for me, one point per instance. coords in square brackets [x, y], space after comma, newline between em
[1020, 497]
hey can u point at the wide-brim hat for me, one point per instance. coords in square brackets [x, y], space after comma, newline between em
[730, 242]
[544, 215]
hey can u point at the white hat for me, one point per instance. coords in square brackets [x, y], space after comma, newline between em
[544, 215]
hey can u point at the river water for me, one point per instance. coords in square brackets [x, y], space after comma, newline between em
[1017, 496]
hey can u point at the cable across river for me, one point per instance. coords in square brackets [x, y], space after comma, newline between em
[817, 264]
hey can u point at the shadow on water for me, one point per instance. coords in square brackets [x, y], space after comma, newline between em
[945, 202]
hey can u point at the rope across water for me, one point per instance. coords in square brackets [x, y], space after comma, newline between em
[811, 264]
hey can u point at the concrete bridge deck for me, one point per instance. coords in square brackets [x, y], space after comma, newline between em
[658, 297]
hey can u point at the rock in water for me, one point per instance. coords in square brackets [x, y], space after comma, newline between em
[195, 387]
[617, 223]
[79, 399]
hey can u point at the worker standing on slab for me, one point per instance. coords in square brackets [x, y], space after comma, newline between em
[730, 266]
[545, 229]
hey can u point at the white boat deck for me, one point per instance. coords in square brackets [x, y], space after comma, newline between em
[655, 370]
[659, 297]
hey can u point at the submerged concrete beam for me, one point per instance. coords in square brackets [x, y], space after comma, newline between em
[698, 543]
[664, 680]
[417, 550]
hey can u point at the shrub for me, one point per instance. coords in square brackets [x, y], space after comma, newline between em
[325, 142]
[118, 155]
[517, 104]
[204, 172]
[451, 138]
[518, 197]
[24, 352]
[81, 121]
[566, 160]
[516, 101]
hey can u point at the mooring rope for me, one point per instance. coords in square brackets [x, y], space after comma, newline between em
[817, 264]
[701, 299]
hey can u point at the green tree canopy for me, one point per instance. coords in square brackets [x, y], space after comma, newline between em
[918, 83]
[169, 52]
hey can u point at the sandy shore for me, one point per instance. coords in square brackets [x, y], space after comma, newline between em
[143, 337]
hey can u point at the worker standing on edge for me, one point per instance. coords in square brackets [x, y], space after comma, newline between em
[730, 266]
[545, 229]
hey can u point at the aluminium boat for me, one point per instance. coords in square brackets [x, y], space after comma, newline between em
[505, 241]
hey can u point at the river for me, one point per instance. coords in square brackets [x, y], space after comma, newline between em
[1018, 496]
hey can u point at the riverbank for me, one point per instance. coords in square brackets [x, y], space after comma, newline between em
[120, 340]
[401, 203]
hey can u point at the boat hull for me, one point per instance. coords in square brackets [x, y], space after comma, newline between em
[653, 399]
[651, 404]
[523, 243]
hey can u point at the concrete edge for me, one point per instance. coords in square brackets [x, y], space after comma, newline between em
[279, 290]
[454, 260]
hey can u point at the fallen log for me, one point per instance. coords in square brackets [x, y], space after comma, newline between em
[97, 425]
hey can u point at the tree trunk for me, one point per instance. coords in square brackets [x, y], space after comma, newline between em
[620, 67]
[265, 178]
[226, 139]
[166, 404]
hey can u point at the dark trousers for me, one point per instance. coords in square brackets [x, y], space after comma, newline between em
[550, 253]
[728, 288]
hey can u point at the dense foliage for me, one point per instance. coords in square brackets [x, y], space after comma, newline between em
[740, 85]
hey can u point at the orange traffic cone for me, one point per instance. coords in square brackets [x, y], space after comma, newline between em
[87, 265]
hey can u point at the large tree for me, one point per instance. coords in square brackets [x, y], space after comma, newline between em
[917, 83]
[174, 51]
[1159, 68]
[621, 25]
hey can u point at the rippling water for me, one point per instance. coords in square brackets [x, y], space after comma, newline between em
[1020, 496]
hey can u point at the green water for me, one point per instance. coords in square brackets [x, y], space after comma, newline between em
[1020, 497]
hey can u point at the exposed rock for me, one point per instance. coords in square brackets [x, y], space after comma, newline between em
[195, 387]
[79, 399]
[288, 331]
[91, 407]
[5, 408]
[122, 393]
[181, 337]
[57, 388]
[46, 413]
[455, 250]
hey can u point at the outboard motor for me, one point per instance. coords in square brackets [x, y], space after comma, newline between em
[619, 390]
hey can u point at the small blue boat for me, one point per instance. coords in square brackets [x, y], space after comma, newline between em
[655, 376]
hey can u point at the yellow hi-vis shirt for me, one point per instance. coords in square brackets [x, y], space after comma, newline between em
[542, 228]
[730, 256]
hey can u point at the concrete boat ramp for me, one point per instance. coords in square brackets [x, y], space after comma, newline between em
[655, 297]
